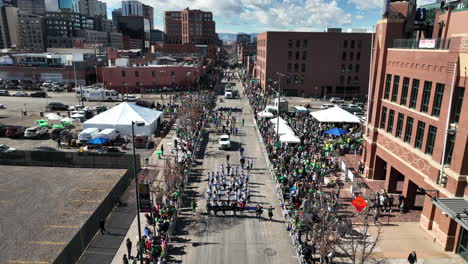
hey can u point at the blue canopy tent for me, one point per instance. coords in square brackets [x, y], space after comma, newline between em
[336, 131]
[98, 141]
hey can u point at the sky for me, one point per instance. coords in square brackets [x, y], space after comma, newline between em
[256, 16]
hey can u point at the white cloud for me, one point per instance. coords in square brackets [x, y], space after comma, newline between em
[359, 17]
[367, 4]
[261, 14]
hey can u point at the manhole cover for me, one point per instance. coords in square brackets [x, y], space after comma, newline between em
[269, 251]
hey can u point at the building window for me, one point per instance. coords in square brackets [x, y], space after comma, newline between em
[153, 74]
[296, 67]
[352, 44]
[409, 129]
[124, 73]
[426, 96]
[351, 56]
[419, 134]
[290, 43]
[304, 55]
[341, 79]
[431, 136]
[358, 56]
[303, 68]
[383, 118]
[345, 44]
[449, 149]
[439, 95]
[302, 79]
[297, 55]
[404, 91]
[356, 68]
[137, 74]
[304, 43]
[289, 67]
[399, 126]
[298, 43]
[172, 74]
[296, 79]
[414, 93]
[359, 44]
[343, 56]
[396, 83]
[458, 104]
[288, 79]
[388, 82]
[391, 117]
[289, 55]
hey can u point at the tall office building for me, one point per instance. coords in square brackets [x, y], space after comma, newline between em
[148, 13]
[36, 7]
[52, 5]
[132, 8]
[8, 27]
[92, 8]
[116, 13]
[190, 27]
[416, 136]
[135, 31]
[68, 5]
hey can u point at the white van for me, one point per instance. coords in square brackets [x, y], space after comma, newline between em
[109, 133]
[228, 95]
[88, 134]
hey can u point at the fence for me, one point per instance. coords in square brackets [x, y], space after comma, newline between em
[69, 159]
[440, 44]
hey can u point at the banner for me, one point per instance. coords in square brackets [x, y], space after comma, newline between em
[145, 198]
[427, 43]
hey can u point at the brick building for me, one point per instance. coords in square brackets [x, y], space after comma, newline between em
[416, 138]
[190, 27]
[315, 63]
[208, 51]
[135, 78]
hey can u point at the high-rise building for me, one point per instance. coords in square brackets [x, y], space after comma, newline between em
[116, 13]
[132, 8]
[135, 31]
[30, 6]
[8, 27]
[62, 28]
[190, 27]
[318, 64]
[93, 8]
[52, 5]
[148, 13]
[31, 32]
[416, 136]
[68, 5]
[243, 38]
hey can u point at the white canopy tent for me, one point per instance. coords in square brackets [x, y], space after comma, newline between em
[335, 115]
[290, 138]
[120, 118]
[281, 120]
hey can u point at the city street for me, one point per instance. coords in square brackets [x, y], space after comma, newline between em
[206, 238]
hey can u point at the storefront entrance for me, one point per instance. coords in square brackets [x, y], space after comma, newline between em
[463, 244]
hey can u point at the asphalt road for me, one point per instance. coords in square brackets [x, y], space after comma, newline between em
[229, 239]
[42, 208]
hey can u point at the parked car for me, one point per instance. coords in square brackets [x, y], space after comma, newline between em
[58, 133]
[38, 94]
[57, 106]
[4, 93]
[144, 103]
[45, 148]
[14, 131]
[35, 132]
[361, 105]
[109, 133]
[5, 148]
[2, 106]
[326, 106]
[88, 134]
[130, 98]
[20, 94]
[224, 142]
[337, 100]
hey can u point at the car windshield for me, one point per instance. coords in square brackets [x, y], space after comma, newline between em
[224, 139]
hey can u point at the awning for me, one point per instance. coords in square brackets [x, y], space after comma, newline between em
[456, 208]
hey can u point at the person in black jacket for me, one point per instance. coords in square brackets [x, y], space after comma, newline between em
[412, 258]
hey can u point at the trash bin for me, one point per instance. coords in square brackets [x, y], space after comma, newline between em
[88, 114]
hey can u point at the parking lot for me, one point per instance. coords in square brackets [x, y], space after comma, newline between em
[59, 200]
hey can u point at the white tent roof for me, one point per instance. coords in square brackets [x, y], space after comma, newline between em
[275, 120]
[120, 117]
[124, 114]
[335, 115]
[265, 114]
[289, 138]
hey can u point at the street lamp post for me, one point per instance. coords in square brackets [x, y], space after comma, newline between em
[137, 194]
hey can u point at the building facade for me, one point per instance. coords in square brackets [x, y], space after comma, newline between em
[92, 8]
[62, 28]
[318, 64]
[190, 27]
[416, 137]
[36, 7]
[148, 13]
[132, 8]
[116, 13]
[68, 5]
[31, 37]
[8, 27]
[136, 32]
